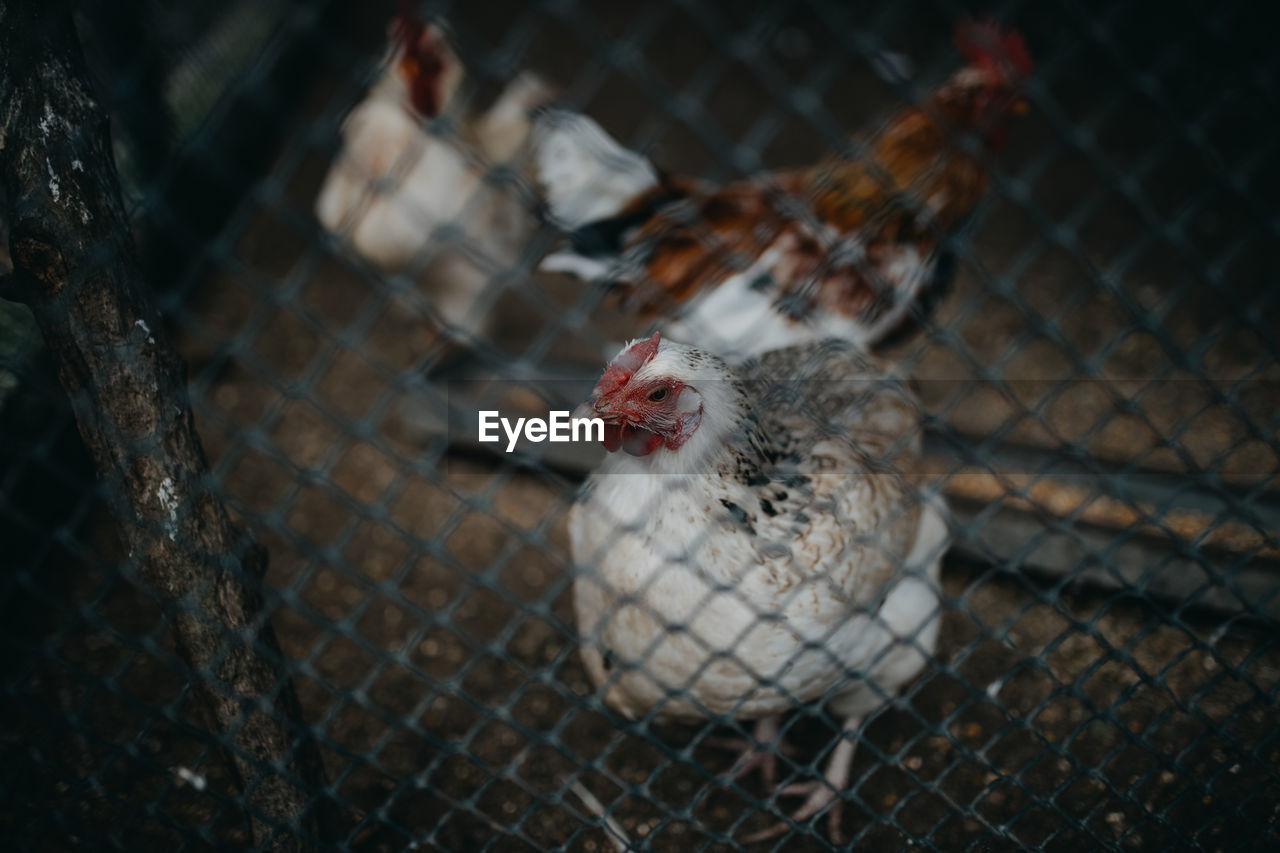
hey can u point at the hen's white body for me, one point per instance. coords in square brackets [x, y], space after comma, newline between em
[769, 567]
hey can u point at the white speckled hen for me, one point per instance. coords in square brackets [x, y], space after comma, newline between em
[758, 542]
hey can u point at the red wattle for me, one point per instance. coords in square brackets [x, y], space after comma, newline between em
[641, 442]
[612, 437]
[636, 441]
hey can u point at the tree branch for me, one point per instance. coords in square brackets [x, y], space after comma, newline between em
[75, 264]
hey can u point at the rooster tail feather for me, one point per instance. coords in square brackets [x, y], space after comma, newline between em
[526, 92]
[505, 127]
[584, 172]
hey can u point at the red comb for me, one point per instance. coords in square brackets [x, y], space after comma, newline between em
[407, 27]
[407, 10]
[424, 44]
[418, 35]
[626, 363]
[986, 45]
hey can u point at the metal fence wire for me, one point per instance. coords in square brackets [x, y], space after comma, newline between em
[343, 221]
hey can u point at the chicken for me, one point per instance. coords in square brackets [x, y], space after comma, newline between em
[396, 184]
[758, 543]
[842, 249]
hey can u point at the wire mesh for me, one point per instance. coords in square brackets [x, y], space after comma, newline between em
[1097, 398]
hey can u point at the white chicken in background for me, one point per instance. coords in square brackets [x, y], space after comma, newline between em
[757, 544]
[394, 184]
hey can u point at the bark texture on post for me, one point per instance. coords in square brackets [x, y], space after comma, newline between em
[76, 267]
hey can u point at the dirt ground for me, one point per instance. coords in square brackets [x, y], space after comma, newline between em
[422, 593]
[455, 712]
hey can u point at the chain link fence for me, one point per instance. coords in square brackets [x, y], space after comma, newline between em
[1098, 397]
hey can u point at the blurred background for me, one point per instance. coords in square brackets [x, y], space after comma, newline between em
[1101, 387]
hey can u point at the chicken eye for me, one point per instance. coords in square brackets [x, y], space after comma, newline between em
[657, 395]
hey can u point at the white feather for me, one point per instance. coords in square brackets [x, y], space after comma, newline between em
[579, 266]
[586, 174]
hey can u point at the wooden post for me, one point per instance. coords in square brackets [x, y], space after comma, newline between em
[75, 265]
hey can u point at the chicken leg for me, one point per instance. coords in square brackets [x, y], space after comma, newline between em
[820, 793]
[758, 752]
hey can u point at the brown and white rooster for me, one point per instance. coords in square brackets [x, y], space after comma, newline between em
[842, 249]
[757, 543]
[395, 183]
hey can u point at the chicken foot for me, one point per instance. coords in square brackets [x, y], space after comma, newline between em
[758, 752]
[820, 793]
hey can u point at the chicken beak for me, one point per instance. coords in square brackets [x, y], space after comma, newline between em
[585, 411]
[595, 407]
